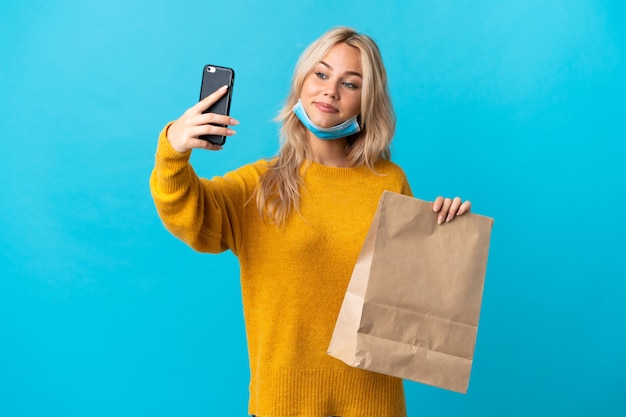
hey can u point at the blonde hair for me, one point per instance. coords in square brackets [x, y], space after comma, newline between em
[278, 193]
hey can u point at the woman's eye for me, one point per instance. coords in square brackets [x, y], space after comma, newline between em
[349, 85]
[321, 75]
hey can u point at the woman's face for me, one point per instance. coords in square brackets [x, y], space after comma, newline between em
[331, 92]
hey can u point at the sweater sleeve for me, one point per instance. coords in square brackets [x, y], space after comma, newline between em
[205, 214]
[406, 188]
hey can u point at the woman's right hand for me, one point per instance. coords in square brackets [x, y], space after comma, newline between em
[184, 134]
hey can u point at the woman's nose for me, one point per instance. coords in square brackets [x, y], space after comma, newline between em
[332, 92]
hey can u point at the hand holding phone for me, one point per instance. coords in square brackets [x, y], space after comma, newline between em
[204, 125]
[213, 78]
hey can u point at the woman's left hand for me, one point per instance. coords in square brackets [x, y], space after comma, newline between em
[448, 208]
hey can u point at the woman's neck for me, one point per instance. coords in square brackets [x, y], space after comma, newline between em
[332, 153]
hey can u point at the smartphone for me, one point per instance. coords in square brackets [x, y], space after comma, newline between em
[214, 77]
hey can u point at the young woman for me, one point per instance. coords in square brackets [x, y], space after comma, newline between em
[297, 223]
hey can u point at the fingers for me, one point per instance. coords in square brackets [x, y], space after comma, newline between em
[209, 129]
[444, 212]
[184, 134]
[437, 204]
[448, 208]
[454, 208]
[213, 119]
[209, 100]
[465, 207]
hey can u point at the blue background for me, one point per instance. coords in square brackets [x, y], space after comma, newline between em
[515, 105]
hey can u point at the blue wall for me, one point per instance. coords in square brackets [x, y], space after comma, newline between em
[516, 105]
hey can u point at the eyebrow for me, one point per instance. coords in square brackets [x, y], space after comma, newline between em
[358, 74]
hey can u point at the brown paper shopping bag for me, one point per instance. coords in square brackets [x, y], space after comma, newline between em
[412, 305]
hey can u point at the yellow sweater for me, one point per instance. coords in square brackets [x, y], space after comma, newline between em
[293, 278]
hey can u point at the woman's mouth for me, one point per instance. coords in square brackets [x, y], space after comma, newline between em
[325, 108]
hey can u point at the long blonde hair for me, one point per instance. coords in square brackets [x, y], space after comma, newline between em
[278, 193]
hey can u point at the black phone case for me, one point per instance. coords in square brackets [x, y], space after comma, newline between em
[214, 77]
